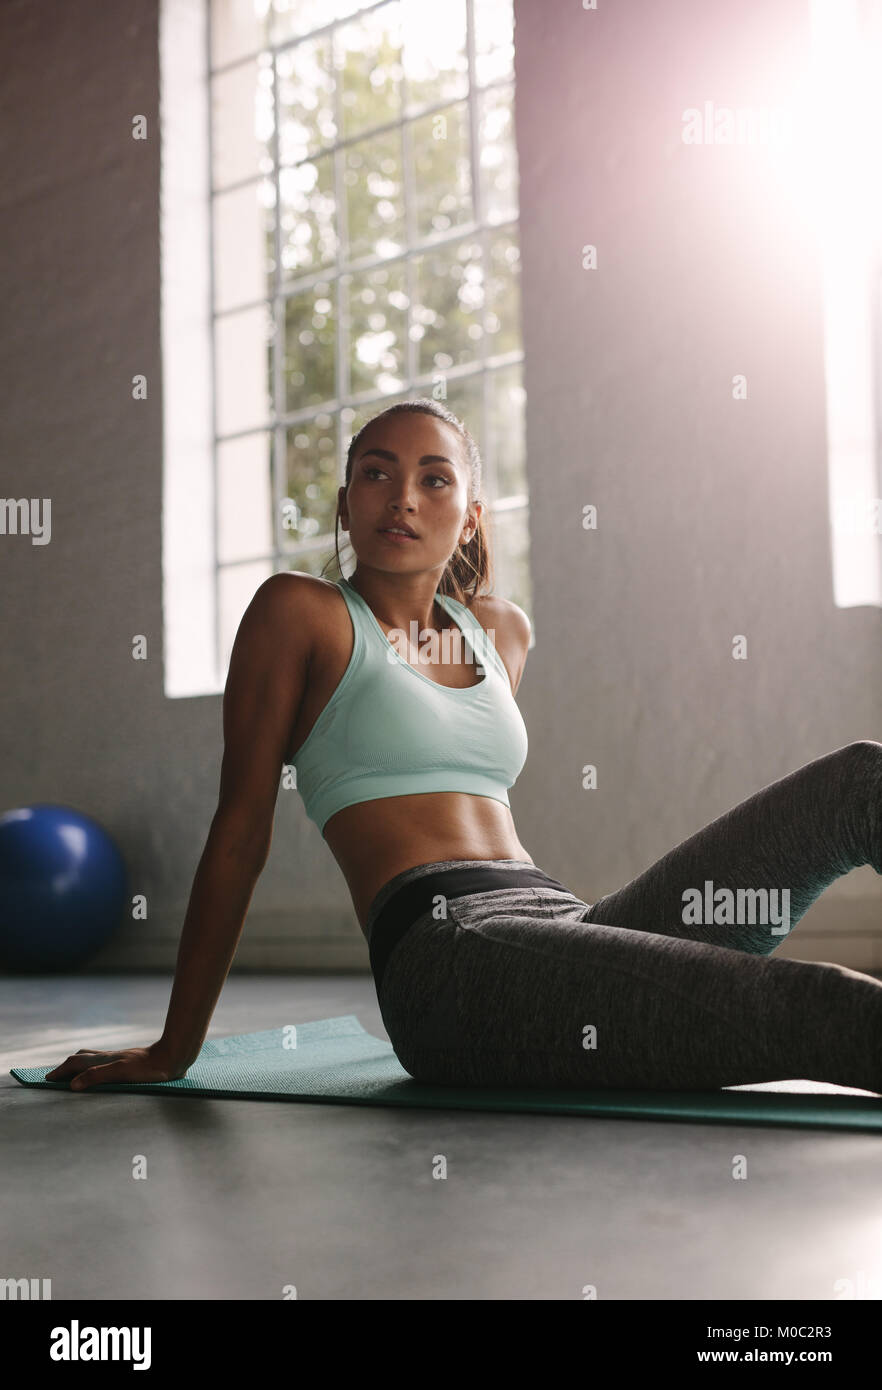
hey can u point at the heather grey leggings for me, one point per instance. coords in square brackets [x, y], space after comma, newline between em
[534, 987]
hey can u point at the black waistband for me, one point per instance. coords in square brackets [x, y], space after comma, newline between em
[411, 900]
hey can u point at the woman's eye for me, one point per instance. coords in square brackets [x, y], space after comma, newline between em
[432, 477]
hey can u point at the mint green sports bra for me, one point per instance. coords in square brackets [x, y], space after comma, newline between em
[390, 730]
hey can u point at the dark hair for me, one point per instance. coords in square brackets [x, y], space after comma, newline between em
[470, 566]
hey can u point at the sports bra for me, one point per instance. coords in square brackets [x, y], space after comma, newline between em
[389, 730]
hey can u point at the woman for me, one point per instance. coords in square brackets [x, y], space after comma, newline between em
[488, 971]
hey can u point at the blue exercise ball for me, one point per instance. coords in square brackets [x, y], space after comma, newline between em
[63, 888]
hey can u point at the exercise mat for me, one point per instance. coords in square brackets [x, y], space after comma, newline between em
[335, 1060]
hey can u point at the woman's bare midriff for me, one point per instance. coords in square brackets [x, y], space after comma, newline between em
[375, 840]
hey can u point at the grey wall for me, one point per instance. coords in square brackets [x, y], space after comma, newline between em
[713, 513]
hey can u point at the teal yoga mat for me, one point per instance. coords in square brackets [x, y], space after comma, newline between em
[335, 1060]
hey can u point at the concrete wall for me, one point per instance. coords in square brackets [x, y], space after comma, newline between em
[713, 516]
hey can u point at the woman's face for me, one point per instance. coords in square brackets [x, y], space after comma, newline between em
[408, 469]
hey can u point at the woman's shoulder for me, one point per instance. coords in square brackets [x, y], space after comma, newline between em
[493, 611]
[294, 600]
[510, 630]
[294, 587]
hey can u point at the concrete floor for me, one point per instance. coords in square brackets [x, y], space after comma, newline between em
[245, 1197]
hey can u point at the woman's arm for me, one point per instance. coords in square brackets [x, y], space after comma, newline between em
[222, 889]
[264, 688]
[263, 693]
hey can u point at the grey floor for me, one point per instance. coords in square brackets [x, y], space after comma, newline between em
[244, 1198]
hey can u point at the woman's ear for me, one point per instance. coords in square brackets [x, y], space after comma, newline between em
[476, 511]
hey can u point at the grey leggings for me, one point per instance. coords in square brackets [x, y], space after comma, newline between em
[535, 987]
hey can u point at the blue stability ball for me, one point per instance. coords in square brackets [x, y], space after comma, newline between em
[63, 888]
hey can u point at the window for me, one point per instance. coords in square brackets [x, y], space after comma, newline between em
[364, 250]
[839, 162]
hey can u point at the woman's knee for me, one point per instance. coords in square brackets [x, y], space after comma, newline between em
[865, 750]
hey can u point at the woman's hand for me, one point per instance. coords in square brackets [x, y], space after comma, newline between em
[91, 1068]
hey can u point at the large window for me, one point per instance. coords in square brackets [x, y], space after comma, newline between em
[364, 250]
[834, 172]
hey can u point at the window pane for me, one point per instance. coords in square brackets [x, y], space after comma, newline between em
[290, 18]
[503, 293]
[244, 498]
[368, 61]
[308, 216]
[505, 442]
[447, 313]
[374, 196]
[314, 561]
[244, 257]
[494, 40]
[510, 542]
[310, 319]
[306, 99]
[435, 61]
[242, 122]
[355, 418]
[442, 179]
[311, 480]
[243, 363]
[465, 399]
[237, 30]
[377, 329]
[498, 164]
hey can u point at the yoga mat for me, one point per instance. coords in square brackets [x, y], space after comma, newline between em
[335, 1060]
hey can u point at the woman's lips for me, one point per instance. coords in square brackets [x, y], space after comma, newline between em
[397, 536]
